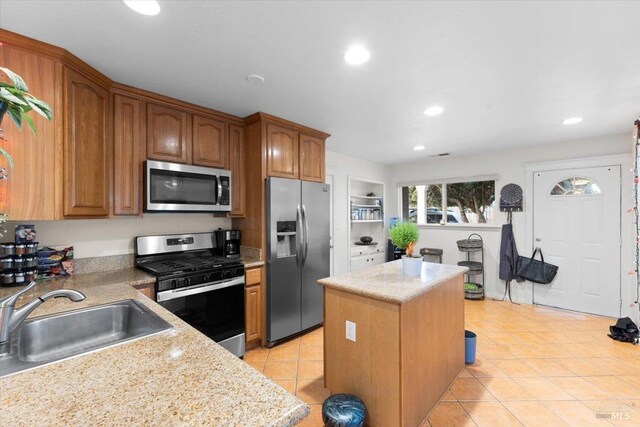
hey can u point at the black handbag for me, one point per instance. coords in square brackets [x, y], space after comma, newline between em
[625, 331]
[536, 271]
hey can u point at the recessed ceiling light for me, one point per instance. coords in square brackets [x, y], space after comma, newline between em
[145, 7]
[418, 148]
[255, 79]
[433, 111]
[572, 121]
[357, 55]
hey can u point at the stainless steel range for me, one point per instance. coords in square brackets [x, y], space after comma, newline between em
[204, 290]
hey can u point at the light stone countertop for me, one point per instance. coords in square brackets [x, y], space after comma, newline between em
[178, 377]
[251, 263]
[387, 282]
[251, 257]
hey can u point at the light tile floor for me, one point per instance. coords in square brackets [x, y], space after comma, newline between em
[535, 366]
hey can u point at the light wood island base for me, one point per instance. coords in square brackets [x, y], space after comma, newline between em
[406, 354]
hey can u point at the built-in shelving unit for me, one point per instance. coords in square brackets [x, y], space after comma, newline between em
[366, 218]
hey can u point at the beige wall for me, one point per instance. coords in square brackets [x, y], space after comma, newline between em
[509, 166]
[103, 237]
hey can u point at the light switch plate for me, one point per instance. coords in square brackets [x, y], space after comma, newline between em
[350, 329]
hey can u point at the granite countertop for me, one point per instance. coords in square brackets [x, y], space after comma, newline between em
[131, 276]
[251, 257]
[387, 282]
[251, 262]
[178, 377]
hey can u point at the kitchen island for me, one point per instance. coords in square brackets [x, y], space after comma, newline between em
[177, 377]
[409, 338]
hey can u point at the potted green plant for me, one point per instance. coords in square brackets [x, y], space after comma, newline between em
[17, 102]
[404, 235]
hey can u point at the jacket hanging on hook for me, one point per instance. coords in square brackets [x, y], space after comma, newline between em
[508, 255]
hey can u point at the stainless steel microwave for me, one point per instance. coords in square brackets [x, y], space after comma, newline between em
[173, 187]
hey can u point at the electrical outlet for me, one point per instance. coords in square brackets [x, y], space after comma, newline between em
[350, 329]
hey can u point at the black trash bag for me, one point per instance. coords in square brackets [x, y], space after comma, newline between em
[625, 330]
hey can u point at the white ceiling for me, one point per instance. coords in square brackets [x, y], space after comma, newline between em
[507, 73]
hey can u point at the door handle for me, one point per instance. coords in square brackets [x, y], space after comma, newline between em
[298, 235]
[306, 234]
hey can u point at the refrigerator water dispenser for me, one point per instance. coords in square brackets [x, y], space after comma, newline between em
[286, 233]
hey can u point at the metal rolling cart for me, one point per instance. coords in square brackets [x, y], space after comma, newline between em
[472, 289]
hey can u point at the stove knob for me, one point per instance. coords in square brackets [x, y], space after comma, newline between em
[207, 277]
[174, 283]
[186, 281]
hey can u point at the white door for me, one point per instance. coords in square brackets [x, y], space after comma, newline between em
[576, 223]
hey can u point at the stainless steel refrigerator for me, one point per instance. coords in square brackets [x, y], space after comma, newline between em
[297, 255]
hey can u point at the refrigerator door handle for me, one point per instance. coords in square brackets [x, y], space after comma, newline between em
[298, 235]
[306, 234]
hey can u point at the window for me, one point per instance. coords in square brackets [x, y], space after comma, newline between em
[467, 202]
[575, 186]
[422, 204]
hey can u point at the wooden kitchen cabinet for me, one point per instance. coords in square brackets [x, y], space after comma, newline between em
[311, 158]
[32, 191]
[253, 306]
[87, 147]
[168, 134]
[282, 152]
[237, 166]
[210, 142]
[272, 149]
[148, 290]
[128, 147]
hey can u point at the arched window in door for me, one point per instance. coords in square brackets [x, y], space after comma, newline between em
[576, 186]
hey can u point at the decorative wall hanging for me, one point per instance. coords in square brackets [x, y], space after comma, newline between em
[511, 198]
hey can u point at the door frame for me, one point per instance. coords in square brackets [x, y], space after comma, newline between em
[331, 172]
[585, 162]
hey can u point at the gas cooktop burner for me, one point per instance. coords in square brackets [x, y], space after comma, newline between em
[195, 264]
[166, 264]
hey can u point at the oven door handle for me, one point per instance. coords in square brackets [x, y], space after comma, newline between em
[198, 289]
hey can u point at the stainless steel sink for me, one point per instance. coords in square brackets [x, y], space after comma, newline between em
[56, 337]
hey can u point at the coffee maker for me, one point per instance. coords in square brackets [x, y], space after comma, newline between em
[227, 243]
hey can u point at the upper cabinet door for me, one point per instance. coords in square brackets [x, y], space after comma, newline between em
[32, 190]
[282, 152]
[237, 166]
[87, 148]
[210, 143]
[311, 158]
[168, 134]
[127, 157]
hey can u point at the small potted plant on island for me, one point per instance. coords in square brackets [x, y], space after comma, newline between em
[404, 235]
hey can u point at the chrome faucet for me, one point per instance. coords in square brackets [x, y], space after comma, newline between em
[10, 318]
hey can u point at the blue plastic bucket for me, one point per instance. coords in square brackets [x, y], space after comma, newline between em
[469, 347]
